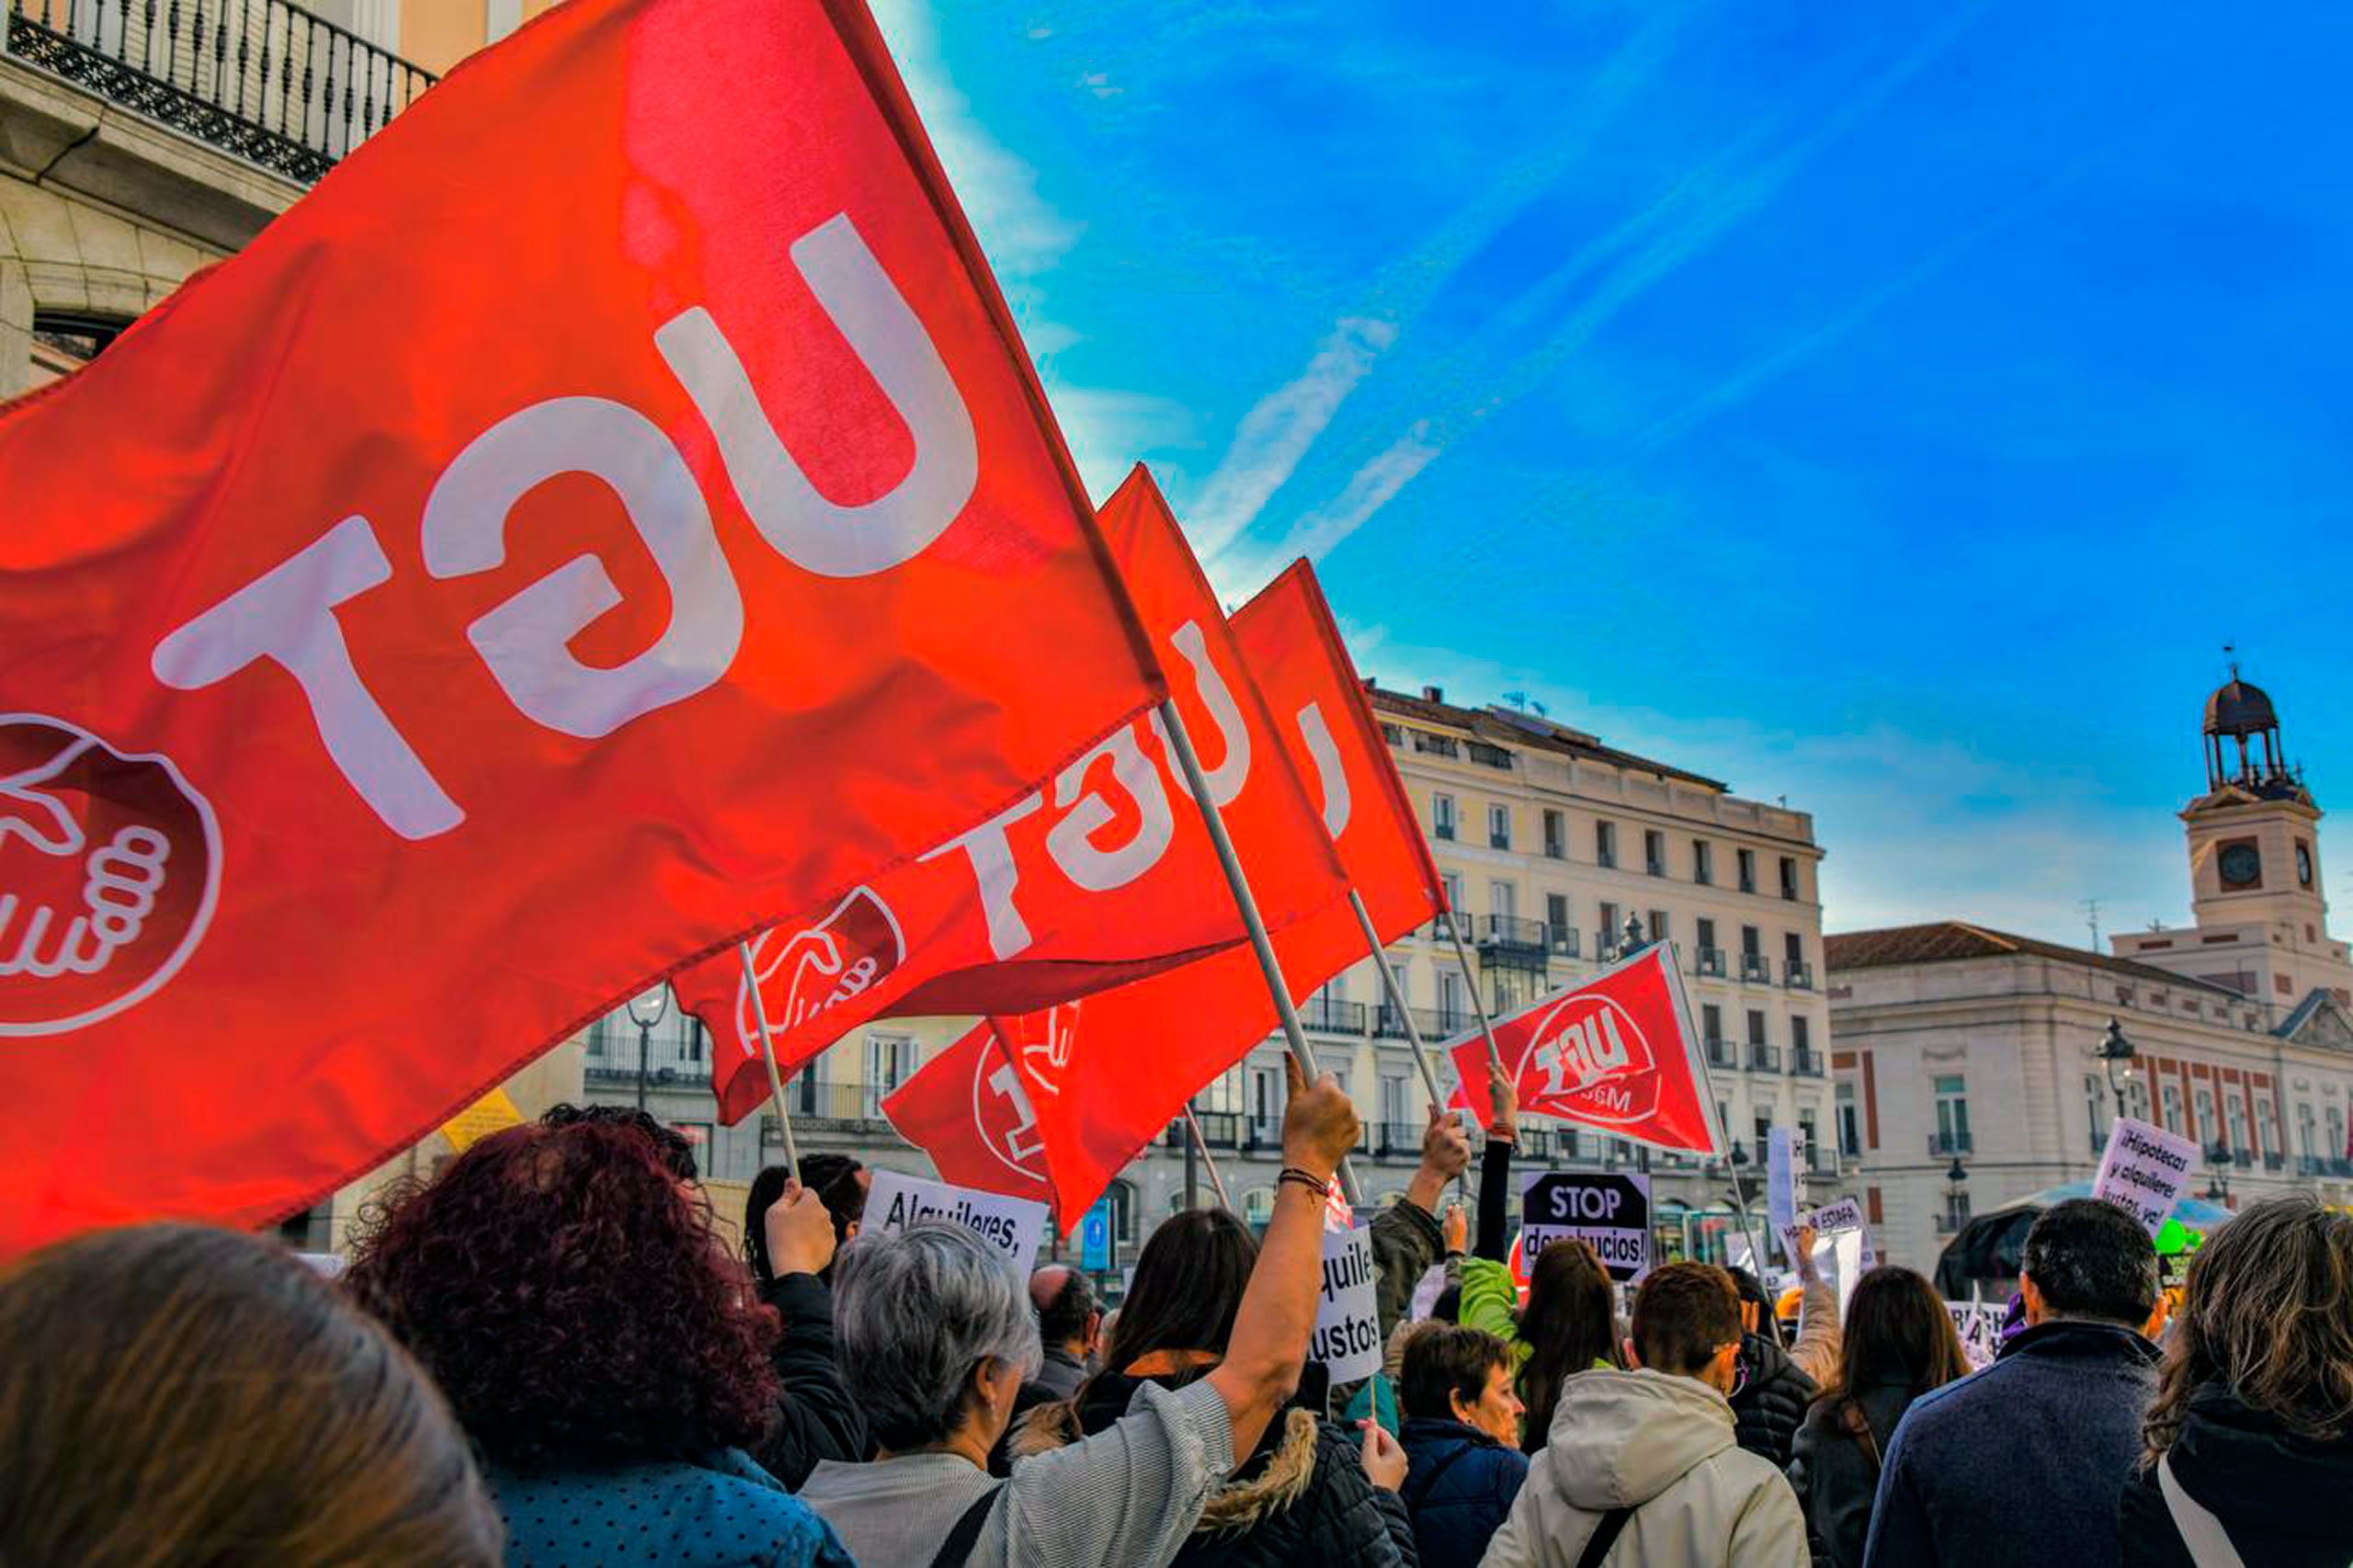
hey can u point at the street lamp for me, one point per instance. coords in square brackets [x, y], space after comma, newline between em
[645, 1011]
[2218, 1184]
[2116, 1054]
[1633, 943]
[1956, 1178]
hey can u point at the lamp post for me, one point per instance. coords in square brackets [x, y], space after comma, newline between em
[1956, 1179]
[645, 1011]
[2116, 1054]
[2218, 1184]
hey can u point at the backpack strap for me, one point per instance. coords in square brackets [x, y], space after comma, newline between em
[1605, 1535]
[2201, 1533]
[966, 1530]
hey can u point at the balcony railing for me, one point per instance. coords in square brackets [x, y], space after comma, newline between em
[1762, 1058]
[263, 80]
[1562, 939]
[1720, 1054]
[1607, 945]
[1332, 1017]
[2272, 1161]
[1806, 1061]
[1941, 1144]
[1756, 966]
[1709, 961]
[1510, 932]
[2310, 1165]
[1486, 755]
[1388, 1023]
[1797, 975]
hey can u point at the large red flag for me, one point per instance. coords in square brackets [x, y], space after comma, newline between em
[612, 514]
[1617, 1054]
[1105, 876]
[1099, 1082]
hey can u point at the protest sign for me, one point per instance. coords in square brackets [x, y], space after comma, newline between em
[1830, 1219]
[1427, 1290]
[2143, 1171]
[1010, 1225]
[1784, 1178]
[495, 1112]
[1979, 1323]
[1347, 1319]
[1608, 1211]
[1095, 1236]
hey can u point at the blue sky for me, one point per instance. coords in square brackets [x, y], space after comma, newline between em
[1890, 408]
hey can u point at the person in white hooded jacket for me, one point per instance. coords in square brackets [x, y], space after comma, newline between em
[1641, 1467]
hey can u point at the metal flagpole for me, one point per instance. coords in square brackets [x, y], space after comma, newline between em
[1202, 1146]
[768, 1053]
[1715, 1111]
[1260, 943]
[1478, 1003]
[1396, 998]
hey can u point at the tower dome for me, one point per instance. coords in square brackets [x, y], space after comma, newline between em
[2238, 707]
[2240, 715]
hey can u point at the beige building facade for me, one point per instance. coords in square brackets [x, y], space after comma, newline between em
[1973, 1055]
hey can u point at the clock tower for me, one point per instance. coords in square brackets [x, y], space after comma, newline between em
[2260, 923]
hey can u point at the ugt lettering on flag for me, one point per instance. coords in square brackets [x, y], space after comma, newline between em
[612, 514]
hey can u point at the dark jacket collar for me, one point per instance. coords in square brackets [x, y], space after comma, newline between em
[2245, 1464]
[2072, 1339]
[1443, 1429]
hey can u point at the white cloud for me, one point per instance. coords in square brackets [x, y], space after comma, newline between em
[1108, 430]
[1369, 488]
[1271, 438]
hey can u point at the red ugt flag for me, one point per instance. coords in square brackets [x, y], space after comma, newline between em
[405, 659]
[1104, 876]
[1617, 1054]
[1095, 1081]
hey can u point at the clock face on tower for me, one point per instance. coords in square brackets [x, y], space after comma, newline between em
[2304, 865]
[2241, 865]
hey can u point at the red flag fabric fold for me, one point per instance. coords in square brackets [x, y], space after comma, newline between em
[404, 659]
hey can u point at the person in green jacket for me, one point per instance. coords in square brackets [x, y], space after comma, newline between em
[1570, 1323]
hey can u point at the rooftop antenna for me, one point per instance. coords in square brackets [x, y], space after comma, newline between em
[2091, 906]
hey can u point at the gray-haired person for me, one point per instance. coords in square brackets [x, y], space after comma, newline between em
[936, 1336]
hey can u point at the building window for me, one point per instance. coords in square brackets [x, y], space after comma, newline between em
[1748, 871]
[1605, 843]
[1801, 1036]
[1794, 949]
[1393, 1119]
[2174, 1122]
[1556, 835]
[1442, 816]
[2208, 1130]
[1705, 935]
[890, 1061]
[1850, 1141]
[805, 1091]
[1953, 1116]
[1556, 912]
[1764, 1125]
[1498, 827]
[1452, 882]
[1502, 900]
[2336, 1151]
[1258, 1207]
[2267, 1127]
[2235, 1111]
[1704, 862]
[1655, 852]
[1658, 932]
[1611, 931]
[1712, 1021]
[1752, 942]
[1449, 1000]
[1788, 877]
[1755, 1026]
[2304, 1130]
[2095, 1135]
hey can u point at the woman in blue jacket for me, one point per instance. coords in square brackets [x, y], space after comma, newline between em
[1461, 1438]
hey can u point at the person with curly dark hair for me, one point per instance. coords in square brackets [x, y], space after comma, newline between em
[600, 1344]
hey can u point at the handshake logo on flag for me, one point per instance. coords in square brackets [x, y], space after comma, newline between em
[841, 957]
[1590, 1058]
[108, 865]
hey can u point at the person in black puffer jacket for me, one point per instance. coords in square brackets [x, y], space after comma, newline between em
[1461, 1436]
[1302, 1496]
[2251, 1414]
[1771, 1393]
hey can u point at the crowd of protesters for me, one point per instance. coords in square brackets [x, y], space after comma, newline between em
[549, 1353]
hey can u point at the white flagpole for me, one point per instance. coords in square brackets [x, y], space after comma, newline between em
[1247, 907]
[1478, 1003]
[1202, 1146]
[1696, 1051]
[1397, 998]
[767, 1051]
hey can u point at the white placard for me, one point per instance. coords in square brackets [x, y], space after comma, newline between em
[2143, 1171]
[329, 1264]
[1979, 1323]
[1784, 1178]
[1012, 1226]
[1427, 1290]
[1348, 1315]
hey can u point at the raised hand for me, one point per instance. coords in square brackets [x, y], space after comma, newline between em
[1320, 1123]
[800, 1232]
[1503, 1102]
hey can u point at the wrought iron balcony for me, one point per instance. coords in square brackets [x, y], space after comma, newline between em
[1388, 1023]
[1797, 975]
[263, 80]
[1756, 966]
[1506, 936]
[1486, 755]
[1720, 1054]
[1709, 961]
[1946, 1143]
[1562, 939]
[1764, 1058]
[1331, 1016]
[1806, 1061]
[1606, 945]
